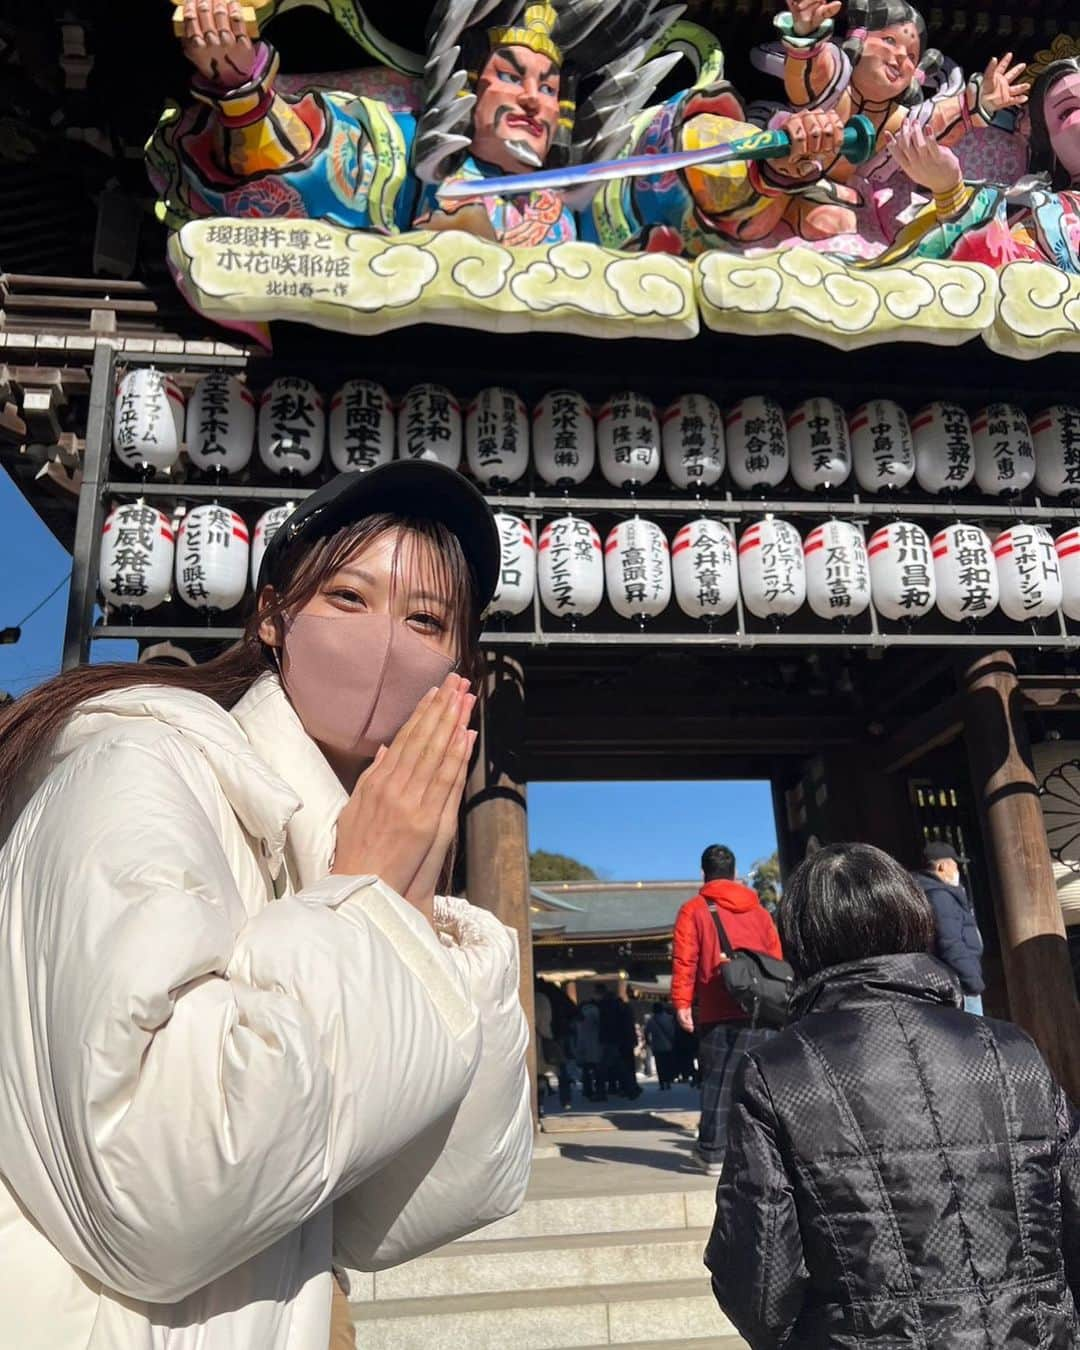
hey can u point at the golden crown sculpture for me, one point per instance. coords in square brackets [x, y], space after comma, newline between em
[535, 33]
[1063, 48]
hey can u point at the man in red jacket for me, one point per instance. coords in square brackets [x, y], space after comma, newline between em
[724, 1032]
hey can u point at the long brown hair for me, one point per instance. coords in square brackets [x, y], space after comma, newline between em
[32, 723]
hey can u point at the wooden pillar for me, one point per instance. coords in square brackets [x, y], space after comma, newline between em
[1034, 950]
[496, 833]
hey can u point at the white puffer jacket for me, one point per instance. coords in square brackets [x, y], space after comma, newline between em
[207, 1093]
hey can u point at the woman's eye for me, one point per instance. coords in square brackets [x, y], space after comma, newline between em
[548, 89]
[431, 622]
[348, 594]
[508, 77]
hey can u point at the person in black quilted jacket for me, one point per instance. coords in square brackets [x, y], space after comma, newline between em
[899, 1173]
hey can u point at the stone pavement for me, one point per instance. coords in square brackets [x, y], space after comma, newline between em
[607, 1250]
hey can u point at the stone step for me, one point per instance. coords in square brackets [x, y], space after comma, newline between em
[694, 1343]
[667, 1313]
[560, 1216]
[549, 1262]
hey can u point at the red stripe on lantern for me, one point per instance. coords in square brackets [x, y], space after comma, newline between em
[679, 545]
[812, 545]
[1043, 426]
[166, 534]
[881, 547]
[860, 422]
[941, 552]
[247, 396]
[980, 424]
[748, 544]
[239, 533]
[1068, 552]
[923, 421]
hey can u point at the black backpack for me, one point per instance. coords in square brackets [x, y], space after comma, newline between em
[760, 984]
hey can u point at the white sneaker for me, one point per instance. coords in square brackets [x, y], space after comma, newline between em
[711, 1169]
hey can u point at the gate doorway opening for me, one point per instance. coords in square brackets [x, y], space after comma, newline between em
[611, 863]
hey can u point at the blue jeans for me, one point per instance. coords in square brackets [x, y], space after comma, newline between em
[973, 1004]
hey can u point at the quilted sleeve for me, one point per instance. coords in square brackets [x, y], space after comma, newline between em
[1070, 1193]
[755, 1251]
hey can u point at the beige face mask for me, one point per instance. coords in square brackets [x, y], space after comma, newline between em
[356, 679]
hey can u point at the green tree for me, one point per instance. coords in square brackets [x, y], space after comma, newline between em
[765, 879]
[544, 866]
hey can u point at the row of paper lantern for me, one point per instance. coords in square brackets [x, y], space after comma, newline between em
[211, 557]
[940, 448]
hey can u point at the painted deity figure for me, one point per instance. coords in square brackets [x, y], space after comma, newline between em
[1037, 220]
[498, 96]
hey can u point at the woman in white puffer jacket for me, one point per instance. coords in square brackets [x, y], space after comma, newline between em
[242, 1037]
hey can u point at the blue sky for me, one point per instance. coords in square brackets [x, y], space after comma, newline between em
[651, 831]
[31, 563]
[599, 823]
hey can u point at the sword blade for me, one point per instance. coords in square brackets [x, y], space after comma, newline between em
[584, 175]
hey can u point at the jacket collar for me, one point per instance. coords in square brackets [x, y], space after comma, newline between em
[730, 895]
[273, 774]
[913, 976]
[278, 737]
[932, 879]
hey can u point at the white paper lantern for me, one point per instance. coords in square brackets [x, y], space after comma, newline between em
[1067, 546]
[881, 446]
[517, 567]
[266, 527]
[1004, 454]
[136, 564]
[837, 571]
[693, 438]
[757, 444]
[628, 440]
[429, 425]
[570, 568]
[361, 426]
[1029, 575]
[563, 438]
[497, 437]
[212, 550]
[967, 581]
[705, 569]
[902, 580]
[1055, 433]
[944, 448]
[772, 570]
[292, 427]
[637, 568]
[148, 421]
[818, 442]
[220, 423]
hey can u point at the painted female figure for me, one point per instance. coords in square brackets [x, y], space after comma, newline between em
[884, 70]
[1040, 221]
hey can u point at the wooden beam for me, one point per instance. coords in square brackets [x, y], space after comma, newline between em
[937, 727]
[496, 833]
[1042, 993]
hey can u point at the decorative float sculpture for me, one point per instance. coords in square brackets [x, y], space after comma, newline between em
[405, 199]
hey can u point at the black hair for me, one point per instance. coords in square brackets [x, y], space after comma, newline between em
[850, 901]
[874, 15]
[718, 863]
[1043, 159]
